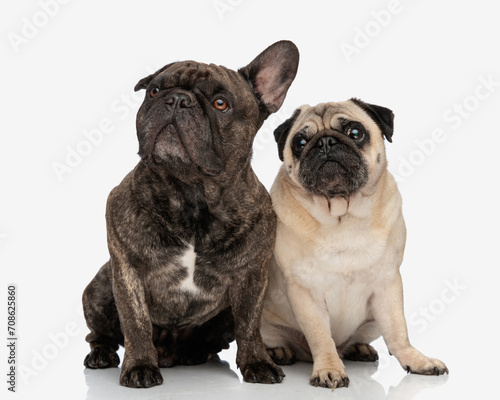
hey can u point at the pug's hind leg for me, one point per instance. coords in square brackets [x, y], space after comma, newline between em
[360, 352]
[359, 348]
[102, 319]
[275, 340]
[281, 355]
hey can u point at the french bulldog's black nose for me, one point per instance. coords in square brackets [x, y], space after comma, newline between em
[181, 100]
[326, 143]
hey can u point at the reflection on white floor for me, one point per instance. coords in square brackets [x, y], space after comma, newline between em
[221, 379]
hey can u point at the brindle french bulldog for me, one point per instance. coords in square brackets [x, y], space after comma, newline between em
[191, 229]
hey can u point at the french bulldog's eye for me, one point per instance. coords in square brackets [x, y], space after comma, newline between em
[355, 134]
[220, 105]
[154, 91]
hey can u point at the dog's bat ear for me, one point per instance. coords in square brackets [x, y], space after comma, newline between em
[382, 116]
[144, 82]
[271, 73]
[282, 131]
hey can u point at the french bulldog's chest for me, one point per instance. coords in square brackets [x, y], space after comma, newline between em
[186, 289]
[186, 249]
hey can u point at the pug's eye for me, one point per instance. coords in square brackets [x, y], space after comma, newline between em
[298, 145]
[154, 91]
[221, 105]
[301, 143]
[355, 134]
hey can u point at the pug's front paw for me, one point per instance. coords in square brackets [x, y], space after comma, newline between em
[416, 363]
[329, 378]
[429, 366]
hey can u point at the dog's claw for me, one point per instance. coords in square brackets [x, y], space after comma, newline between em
[281, 355]
[141, 377]
[435, 370]
[331, 380]
[262, 372]
[101, 357]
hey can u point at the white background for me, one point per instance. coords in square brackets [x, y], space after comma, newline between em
[77, 70]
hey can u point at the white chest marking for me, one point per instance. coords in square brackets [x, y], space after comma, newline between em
[188, 261]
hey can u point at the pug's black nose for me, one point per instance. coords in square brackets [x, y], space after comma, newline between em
[179, 100]
[326, 143]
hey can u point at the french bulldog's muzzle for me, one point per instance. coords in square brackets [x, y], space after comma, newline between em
[177, 129]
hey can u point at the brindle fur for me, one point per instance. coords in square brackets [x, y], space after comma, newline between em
[201, 194]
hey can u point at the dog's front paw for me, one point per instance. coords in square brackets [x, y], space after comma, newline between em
[262, 372]
[101, 357]
[281, 355]
[429, 366]
[416, 363]
[329, 378]
[141, 376]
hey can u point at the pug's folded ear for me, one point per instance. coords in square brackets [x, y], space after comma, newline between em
[271, 73]
[382, 116]
[282, 131]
